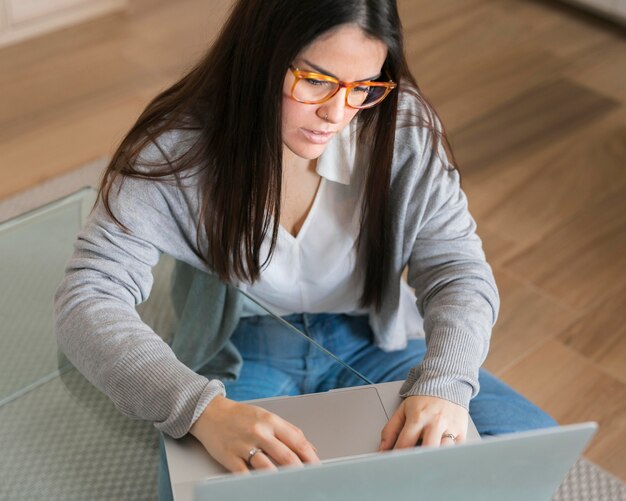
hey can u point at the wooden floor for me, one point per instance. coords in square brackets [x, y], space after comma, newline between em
[534, 97]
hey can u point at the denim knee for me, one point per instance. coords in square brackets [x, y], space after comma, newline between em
[498, 409]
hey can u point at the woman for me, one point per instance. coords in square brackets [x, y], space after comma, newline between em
[297, 160]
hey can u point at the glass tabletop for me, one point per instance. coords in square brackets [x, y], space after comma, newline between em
[60, 437]
[34, 248]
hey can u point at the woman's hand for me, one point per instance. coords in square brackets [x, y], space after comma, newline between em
[230, 430]
[429, 419]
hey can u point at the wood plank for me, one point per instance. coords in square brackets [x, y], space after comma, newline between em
[68, 142]
[567, 32]
[171, 38]
[25, 26]
[600, 335]
[465, 65]
[527, 319]
[496, 247]
[582, 261]
[603, 69]
[528, 122]
[572, 390]
[526, 200]
[491, 77]
[66, 85]
[30, 52]
[26, 10]
[418, 15]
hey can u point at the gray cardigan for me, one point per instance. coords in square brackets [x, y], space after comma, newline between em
[109, 273]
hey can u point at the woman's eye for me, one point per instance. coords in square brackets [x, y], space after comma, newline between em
[363, 89]
[317, 83]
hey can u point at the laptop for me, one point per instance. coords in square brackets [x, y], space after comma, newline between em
[345, 426]
[526, 466]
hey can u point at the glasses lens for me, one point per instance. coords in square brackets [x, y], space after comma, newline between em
[313, 91]
[366, 95]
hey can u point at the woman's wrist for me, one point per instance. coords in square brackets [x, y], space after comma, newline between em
[215, 406]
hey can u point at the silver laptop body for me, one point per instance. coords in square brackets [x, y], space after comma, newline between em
[526, 466]
[342, 423]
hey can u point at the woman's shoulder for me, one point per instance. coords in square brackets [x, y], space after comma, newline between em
[420, 156]
[160, 172]
[418, 128]
[417, 121]
[169, 149]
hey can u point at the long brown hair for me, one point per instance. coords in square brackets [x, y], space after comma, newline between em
[230, 103]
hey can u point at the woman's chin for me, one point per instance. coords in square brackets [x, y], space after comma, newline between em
[307, 152]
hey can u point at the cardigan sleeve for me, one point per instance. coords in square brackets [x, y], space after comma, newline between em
[454, 285]
[96, 323]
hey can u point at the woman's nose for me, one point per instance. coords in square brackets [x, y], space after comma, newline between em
[334, 109]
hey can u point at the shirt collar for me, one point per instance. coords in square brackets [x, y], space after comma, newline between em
[336, 163]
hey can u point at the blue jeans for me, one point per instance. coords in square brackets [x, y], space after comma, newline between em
[278, 361]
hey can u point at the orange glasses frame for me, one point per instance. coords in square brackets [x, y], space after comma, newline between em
[301, 75]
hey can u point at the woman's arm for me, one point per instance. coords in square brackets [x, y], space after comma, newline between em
[456, 295]
[97, 325]
[101, 333]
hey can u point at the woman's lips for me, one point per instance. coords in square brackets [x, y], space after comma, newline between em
[317, 137]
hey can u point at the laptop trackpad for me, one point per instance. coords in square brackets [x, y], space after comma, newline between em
[338, 423]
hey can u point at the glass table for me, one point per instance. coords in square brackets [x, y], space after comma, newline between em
[60, 437]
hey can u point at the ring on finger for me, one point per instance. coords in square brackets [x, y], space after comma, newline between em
[450, 436]
[251, 453]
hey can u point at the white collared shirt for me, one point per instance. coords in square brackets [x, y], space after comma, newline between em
[315, 271]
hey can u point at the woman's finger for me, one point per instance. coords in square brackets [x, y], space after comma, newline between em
[296, 443]
[260, 461]
[392, 429]
[461, 437]
[235, 464]
[410, 435]
[280, 453]
[433, 434]
[448, 438]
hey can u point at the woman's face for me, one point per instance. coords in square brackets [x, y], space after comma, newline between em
[345, 53]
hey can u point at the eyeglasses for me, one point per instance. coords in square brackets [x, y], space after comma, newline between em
[315, 88]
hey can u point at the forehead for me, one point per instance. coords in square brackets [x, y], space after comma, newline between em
[346, 52]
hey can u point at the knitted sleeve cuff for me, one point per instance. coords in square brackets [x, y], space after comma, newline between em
[449, 369]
